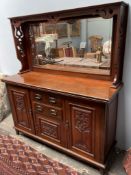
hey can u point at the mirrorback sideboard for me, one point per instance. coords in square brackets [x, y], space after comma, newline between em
[66, 94]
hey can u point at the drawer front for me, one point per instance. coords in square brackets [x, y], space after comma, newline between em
[47, 111]
[47, 98]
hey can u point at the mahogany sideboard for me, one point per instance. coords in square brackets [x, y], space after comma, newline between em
[72, 108]
[77, 116]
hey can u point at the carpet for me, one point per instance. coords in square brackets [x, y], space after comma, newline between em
[18, 158]
[127, 162]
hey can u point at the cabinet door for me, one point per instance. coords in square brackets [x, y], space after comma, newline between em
[21, 108]
[82, 128]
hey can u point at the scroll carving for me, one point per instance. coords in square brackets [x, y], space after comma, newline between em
[105, 13]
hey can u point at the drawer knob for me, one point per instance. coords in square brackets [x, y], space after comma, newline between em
[39, 108]
[38, 96]
[52, 100]
[53, 112]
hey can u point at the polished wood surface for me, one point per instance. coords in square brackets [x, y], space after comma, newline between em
[72, 111]
[82, 128]
[118, 11]
[46, 98]
[83, 87]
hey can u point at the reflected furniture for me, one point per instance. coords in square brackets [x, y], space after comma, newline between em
[70, 102]
[96, 42]
[69, 52]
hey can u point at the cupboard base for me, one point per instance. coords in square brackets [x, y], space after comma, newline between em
[101, 166]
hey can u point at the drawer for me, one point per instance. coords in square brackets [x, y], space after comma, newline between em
[47, 111]
[47, 98]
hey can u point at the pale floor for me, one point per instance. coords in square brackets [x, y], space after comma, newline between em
[116, 168]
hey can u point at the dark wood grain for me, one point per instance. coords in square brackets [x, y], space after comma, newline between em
[118, 11]
[72, 110]
[21, 108]
[82, 127]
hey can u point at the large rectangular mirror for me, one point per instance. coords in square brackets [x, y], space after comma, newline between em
[82, 44]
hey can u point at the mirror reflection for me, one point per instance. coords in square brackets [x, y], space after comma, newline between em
[84, 43]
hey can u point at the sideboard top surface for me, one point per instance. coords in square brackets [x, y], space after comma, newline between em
[83, 87]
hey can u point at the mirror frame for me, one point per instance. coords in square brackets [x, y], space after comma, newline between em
[118, 11]
[68, 67]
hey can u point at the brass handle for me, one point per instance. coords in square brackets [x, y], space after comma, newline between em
[39, 108]
[53, 112]
[52, 100]
[38, 96]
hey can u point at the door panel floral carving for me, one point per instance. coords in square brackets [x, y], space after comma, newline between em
[83, 128]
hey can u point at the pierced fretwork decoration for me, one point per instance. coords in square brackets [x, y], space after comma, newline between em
[19, 33]
[106, 13]
[19, 36]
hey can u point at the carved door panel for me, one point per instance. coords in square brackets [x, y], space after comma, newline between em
[50, 130]
[21, 108]
[82, 128]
